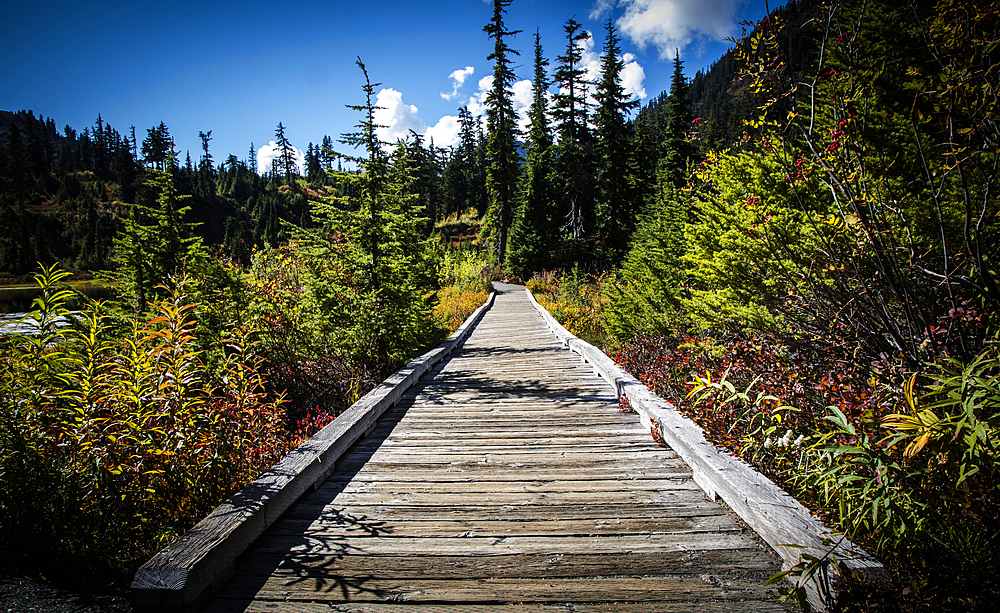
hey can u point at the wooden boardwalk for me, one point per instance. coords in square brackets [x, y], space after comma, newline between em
[506, 480]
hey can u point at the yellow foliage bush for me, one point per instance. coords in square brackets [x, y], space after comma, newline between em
[454, 306]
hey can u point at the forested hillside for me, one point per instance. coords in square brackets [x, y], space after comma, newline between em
[65, 194]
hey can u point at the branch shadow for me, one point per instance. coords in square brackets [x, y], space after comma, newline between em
[307, 559]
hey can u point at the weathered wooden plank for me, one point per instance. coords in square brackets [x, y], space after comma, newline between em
[609, 510]
[471, 420]
[389, 448]
[511, 566]
[506, 545]
[692, 493]
[342, 488]
[510, 458]
[335, 589]
[185, 572]
[647, 466]
[389, 473]
[409, 429]
[249, 606]
[496, 528]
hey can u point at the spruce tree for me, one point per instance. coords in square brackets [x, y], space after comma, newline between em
[462, 170]
[156, 242]
[575, 147]
[286, 153]
[362, 259]
[677, 150]
[326, 153]
[503, 163]
[645, 297]
[314, 167]
[205, 165]
[156, 147]
[533, 235]
[616, 198]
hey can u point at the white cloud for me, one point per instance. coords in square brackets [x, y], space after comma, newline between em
[457, 79]
[444, 132]
[633, 77]
[399, 118]
[673, 24]
[396, 117]
[271, 151]
[590, 62]
[523, 93]
[600, 8]
[477, 101]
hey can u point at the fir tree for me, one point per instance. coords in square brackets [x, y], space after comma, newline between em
[286, 153]
[363, 257]
[677, 150]
[616, 199]
[205, 164]
[314, 167]
[576, 163]
[156, 242]
[533, 235]
[503, 163]
[157, 147]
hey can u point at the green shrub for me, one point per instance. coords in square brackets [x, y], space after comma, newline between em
[112, 443]
[465, 270]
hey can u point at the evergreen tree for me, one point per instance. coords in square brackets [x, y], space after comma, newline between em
[645, 296]
[575, 147]
[205, 164]
[677, 150]
[463, 171]
[286, 153]
[326, 153]
[616, 198]
[413, 160]
[156, 147]
[362, 261]
[503, 163]
[314, 167]
[156, 242]
[533, 235]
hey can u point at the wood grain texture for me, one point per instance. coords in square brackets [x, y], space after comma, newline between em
[506, 480]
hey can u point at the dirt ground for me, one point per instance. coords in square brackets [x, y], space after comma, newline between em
[21, 595]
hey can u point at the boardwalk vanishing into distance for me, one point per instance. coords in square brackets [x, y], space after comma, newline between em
[506, 479]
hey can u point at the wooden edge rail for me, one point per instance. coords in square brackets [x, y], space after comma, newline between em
[183, 575]
[781, 520]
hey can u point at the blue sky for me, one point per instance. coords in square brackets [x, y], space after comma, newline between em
[238, 68]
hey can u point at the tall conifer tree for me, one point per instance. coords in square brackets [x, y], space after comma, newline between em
[615, 197]
[286, 153]
[533, 236]
[576, 164]
[503, 164]
[157, 147]
[363, 254]
[677, 151]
